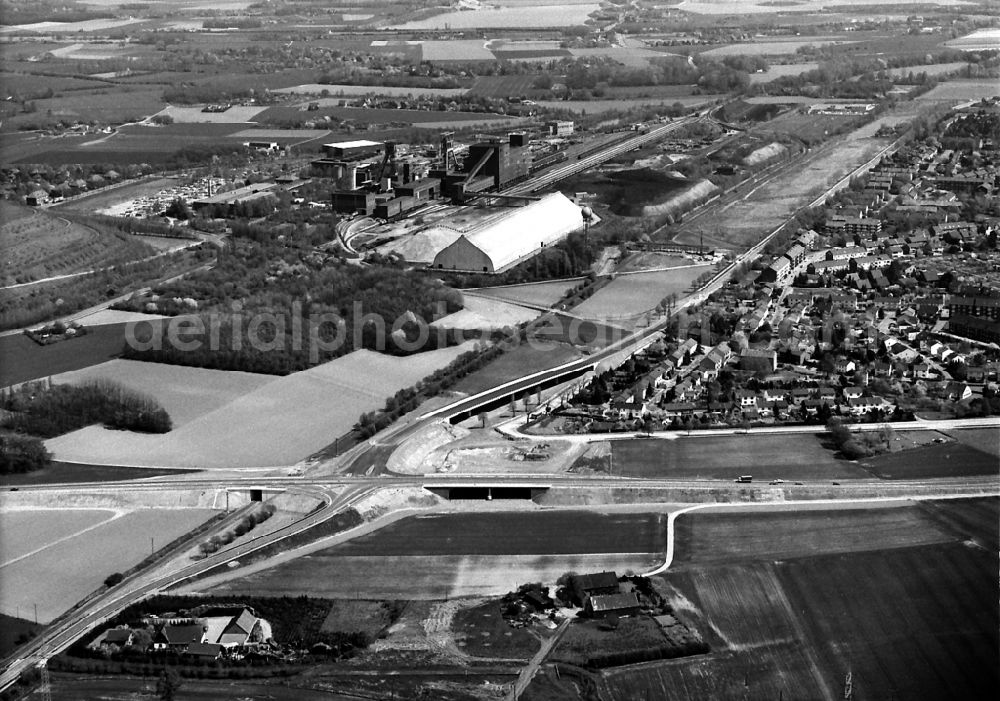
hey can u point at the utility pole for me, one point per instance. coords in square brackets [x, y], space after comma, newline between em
[151, 550]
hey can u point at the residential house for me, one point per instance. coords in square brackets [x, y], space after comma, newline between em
[714, 360]
[853, 392]
[204, 651]
[178, 637]
[775, 395]
[865, 405]
[957, 391]
[923, 371]
[844, 365]
[117, 637]
[746, 398]
[597, 584]
[758, 360]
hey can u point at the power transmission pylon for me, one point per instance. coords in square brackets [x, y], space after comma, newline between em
[45, 690]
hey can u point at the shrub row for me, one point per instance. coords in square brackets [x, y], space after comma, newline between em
[647, 654]
[245, 525]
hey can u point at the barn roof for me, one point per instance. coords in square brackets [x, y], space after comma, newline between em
[614, 602]
[599, 580]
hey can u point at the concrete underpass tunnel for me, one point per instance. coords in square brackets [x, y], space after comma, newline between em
[487, 492]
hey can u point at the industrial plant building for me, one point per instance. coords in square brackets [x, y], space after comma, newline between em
[499, 243]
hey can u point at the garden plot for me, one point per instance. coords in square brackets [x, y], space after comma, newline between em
[629, 295]
[276, 423]
[62, 574]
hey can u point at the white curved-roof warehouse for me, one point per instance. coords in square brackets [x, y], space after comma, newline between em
[500, 243]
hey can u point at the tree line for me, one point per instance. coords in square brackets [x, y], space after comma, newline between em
[49, 411]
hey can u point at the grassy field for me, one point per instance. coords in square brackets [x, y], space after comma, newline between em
[940, 460]
[586, 639]
[61, 472]
[11, 630]
[530, 533]
[766, 48]
[63, 573]
[542, 293]
[907, 622]
[317, 684]
[812, 127]
[976, 520]
[186, 393]
[645, 261]
[620, 104]
[103, 106]
[480, 313]
[25, 531]
[24, 360]
[766, 457]
[781, 70]
[960, 91]
[481, 631]
[275, 423]
[318, 88]
[507, 14]
[514, 364]
[468, 554]
[38, 245]
[419, 577]
[984, 439]
[368, 617]
[502, 85]
[378, 116]
[628, 295]
[455, 50]
[704, 538]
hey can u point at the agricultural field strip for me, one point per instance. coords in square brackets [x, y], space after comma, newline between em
[116, 514]
[764, 602]
[764, 506]
[21, 530]
[60, 576]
